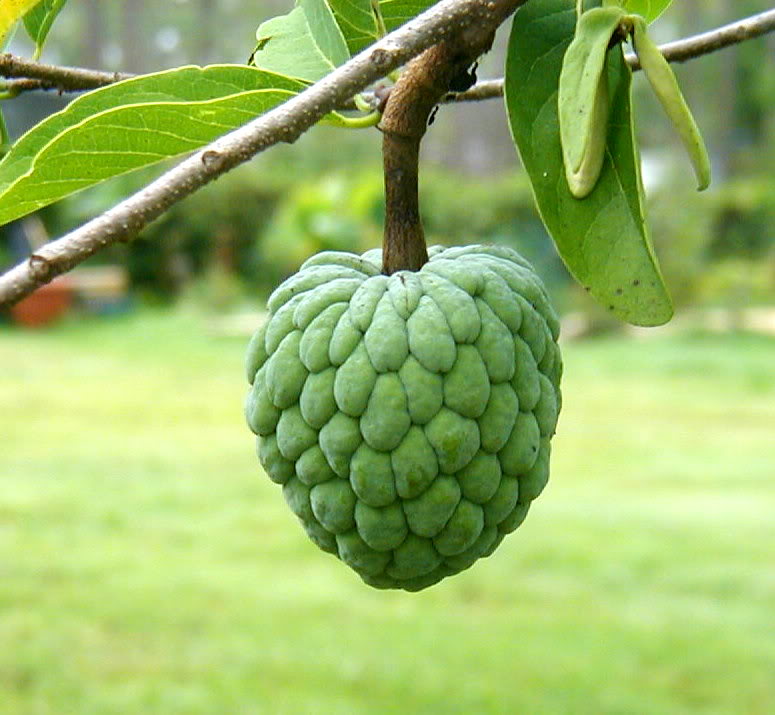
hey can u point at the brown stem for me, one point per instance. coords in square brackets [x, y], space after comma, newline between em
[424, 83]
[403, 125]
[403, 243]
[67, 79]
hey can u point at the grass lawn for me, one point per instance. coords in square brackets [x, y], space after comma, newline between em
[147, 566]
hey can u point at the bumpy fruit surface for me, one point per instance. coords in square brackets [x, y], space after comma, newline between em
[407, 417]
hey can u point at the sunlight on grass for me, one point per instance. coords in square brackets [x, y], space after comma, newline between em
[147, 566]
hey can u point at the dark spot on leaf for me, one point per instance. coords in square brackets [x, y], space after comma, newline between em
[636, 282]
[619, 291]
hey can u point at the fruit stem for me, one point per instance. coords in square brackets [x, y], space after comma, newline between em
[420, 88]
[403, 243]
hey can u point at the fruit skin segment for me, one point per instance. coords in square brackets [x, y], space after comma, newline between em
[408, 418]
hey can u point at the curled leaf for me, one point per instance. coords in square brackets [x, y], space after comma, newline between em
[583, 99]
[665, 86]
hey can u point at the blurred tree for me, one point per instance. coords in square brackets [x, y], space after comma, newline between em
[206, 50]
[135, 36]
[94, 36]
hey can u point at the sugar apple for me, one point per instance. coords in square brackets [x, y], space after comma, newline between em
[407, 417]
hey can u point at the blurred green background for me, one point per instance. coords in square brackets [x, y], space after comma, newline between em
[148, 566]
[233, 241]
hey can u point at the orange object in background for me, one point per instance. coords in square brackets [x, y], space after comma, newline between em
[45, 305]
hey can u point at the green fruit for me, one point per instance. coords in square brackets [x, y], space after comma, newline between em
[407, 417]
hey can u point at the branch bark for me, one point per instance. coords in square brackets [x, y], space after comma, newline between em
[678, 51]
[64, 79]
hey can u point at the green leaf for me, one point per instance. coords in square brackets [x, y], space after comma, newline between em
[397, 12]
[603, 238]
[287, 46]
[319, 35]
[325, 31]
[39, 20]
[649, 10]
[132, 124]
[583, 98]
[357, 22]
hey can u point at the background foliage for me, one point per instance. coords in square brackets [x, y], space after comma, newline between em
[152, 568]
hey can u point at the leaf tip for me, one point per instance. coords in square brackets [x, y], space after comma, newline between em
[652, 317]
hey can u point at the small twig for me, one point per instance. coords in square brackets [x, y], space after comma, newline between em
[17, 86]
[64, 79]
[718, 39]
[486, 89]
[678, 51]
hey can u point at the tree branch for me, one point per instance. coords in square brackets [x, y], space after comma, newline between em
[76, 79]
[285, 123]
[16, 86]
[64, 79]
[707, 42]
[678, 51]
